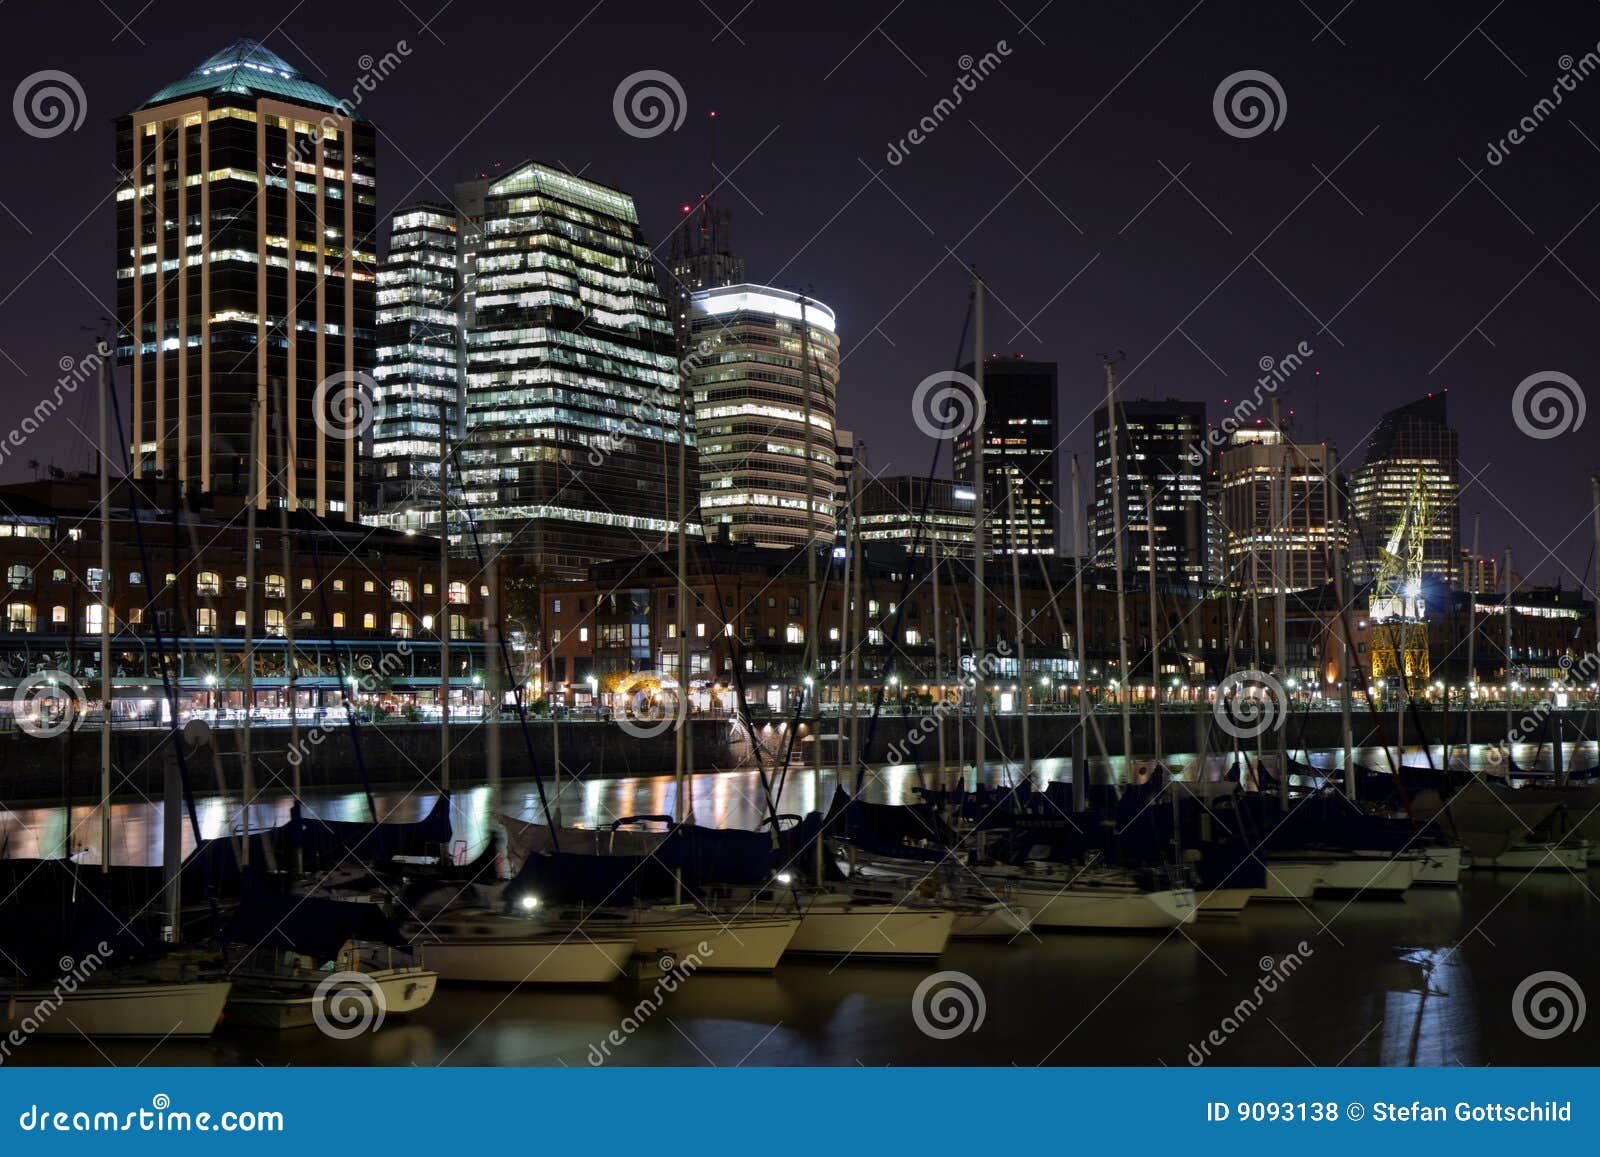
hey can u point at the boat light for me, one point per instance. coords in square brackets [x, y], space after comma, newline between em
[784, 878]
[529, 902]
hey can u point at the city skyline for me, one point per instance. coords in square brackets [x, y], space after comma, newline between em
[1351, 251]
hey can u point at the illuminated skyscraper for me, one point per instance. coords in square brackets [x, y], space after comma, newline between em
[246, 193]
[1021, 436]
[418, 366]
[1156, 443]
[570, 440]
[1274, 510]
[1413, 446]
[750, 401]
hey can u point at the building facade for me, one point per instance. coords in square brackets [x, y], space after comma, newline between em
[344, 606]
[418, 371]
[570, 446]
[1021, 436]
[1411, 466]
[915, 512]
[1155, 448]
[1278, 509]
[752, 389]
[244, 293]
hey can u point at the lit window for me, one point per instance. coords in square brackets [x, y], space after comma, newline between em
[205, 621]
[400, 625]
[672, 630]
[700, 630]
[58, 614]
[458, 592]
[369, 586]
[338, 620]
[273, 587]
[583, 634]
[275, 622]
[338, 585]
[305, 584]
[369, 621]
[238, 618]
[400, 590]
[208, 582]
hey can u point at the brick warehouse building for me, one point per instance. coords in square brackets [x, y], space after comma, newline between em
[362, 601]
[622, 619]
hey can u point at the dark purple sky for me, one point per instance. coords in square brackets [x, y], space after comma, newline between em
[1091, 152]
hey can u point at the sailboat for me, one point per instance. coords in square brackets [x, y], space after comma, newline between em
[308, 954]
[56, 928]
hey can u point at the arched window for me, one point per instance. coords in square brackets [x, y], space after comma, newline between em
[20, 617]
[58, 614]
[338, 620]
[400, 590]
[458, 592]
[208, 582]
[19, 576]
[274, 586]
[400, 625]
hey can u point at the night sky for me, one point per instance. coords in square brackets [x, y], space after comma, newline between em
[1086, 176]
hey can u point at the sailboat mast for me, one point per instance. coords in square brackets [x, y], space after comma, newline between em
[938, 653]
[979, 548]
[1080, 772]
[1016, 614]
[493, 693]
[104, 352]
[287, 558]
[1155, 643]
[443, 622]
[808, 651]
[1472, 619]
[247, 775]
[1505, 610]
[1116, 549]
[681, 731]
[1280, 582]
[1339, 558]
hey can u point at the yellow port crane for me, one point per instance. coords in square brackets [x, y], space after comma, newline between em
[1397, 608]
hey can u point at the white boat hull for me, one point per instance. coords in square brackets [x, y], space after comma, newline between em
[1223, 901]
[1109, 908]
[1538, 858]
[1373, 874]
[989, 922]
[1441, 868]
[544, 959]
[120, 1010]
[669, 937]
[873, 930]
[1292, 879]
[280, 1003]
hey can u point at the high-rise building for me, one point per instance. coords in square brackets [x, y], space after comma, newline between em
[1411, 469]
[844, 452]
[570, 440]
[1021, 436]
[915, 511]
[1274, 512]
[751, 394]
[418, 375]
[699, 258]
[1155, 447]
[246, 195]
